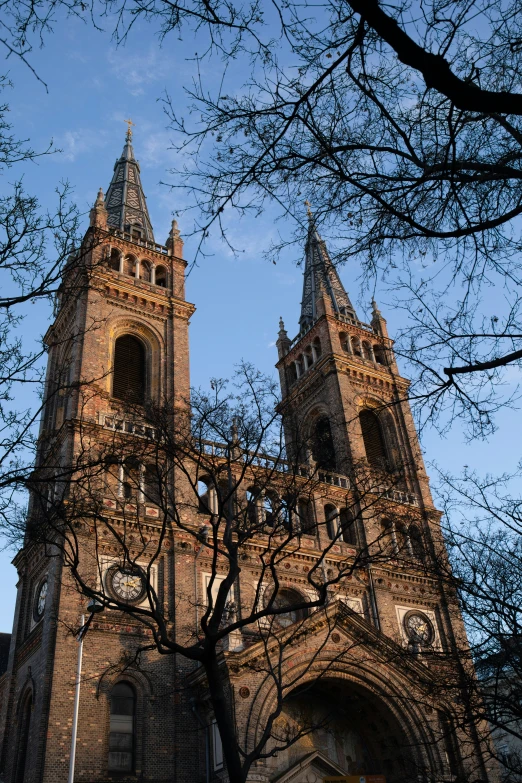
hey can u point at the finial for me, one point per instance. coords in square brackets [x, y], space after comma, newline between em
[308, 209]
[375, 308]
[98, 214]
[283, 343]
[128, 135]
[174, 239]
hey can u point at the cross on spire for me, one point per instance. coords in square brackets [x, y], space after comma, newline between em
[128, 135]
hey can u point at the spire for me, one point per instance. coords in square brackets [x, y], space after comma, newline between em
[125, 201]
[320, 275]
[98, 214]
[174, 241]
[378, 321]
[283, 341]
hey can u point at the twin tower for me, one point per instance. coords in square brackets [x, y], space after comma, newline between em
[122, 328]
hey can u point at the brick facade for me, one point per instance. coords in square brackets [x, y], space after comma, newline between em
[324, 372]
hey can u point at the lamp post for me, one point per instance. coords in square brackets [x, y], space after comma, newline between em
[93, 607]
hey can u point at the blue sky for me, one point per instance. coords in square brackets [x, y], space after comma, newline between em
[93, 86]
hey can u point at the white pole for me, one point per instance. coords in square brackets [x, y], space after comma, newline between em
[72, 759]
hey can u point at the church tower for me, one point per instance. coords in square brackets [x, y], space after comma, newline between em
[343, 397]
[347, 416]
[349, 511]
[120, 337]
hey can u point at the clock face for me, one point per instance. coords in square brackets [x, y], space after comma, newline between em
[126, 584]
[419, 628]
[41, 597]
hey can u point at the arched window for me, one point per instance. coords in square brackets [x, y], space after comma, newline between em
[290, 598]
[270, 508]
[331, 515]
[253, 499]
[388, 539]
[316, 348]
[129, 266]
[24, 727]
[348, 527]
[131, 478]
[129, 369]
[145, 271]
[207, 495]
[287, 513]
[227, 496]
[356, 346]
[112, 473]
[380, 356]
[367, 351]
[203, 497]
[306, 519]
[372, 438]
[403, 541]
[345, 342]
[114, 260]
[152, 484]
[121, 737]
[308, 357]
[161, 276]
[416, 542]
[322, 446]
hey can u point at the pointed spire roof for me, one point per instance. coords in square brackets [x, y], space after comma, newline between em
[321, 275]
[125, 201]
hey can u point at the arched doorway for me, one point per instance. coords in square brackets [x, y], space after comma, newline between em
[344, 724]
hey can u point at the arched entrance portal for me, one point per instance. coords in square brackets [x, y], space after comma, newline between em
[346, 725]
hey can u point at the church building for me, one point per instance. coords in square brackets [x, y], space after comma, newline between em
[365, 666]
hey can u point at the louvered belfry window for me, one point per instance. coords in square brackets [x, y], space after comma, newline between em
[323, 447]
[129, 370]
[373, 440]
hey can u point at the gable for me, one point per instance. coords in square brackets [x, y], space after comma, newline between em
[311, 769]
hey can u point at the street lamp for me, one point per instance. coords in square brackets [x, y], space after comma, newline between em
[93, 607]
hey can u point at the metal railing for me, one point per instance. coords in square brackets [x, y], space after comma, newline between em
[344, 318]
[264, 461]
[141, 242]
[398, 496]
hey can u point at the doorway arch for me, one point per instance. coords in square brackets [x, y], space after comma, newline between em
[348, 726]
